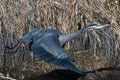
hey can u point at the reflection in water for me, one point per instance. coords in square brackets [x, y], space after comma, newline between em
[110, 73]
[59, 75]
[70, 75]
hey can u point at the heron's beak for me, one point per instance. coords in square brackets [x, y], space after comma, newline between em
[95, 27]
[101, 26]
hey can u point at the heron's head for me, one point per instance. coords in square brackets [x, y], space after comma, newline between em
[95, 26]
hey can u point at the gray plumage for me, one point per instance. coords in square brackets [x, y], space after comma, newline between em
[46, 45]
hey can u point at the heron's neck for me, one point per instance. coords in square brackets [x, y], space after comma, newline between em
[67, 37]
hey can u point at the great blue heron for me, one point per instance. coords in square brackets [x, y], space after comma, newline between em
[46, 44]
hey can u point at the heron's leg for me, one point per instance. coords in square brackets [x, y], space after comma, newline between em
[13, 49]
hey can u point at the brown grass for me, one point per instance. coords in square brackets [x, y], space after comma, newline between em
[96, 49]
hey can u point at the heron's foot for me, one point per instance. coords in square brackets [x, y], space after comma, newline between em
[9, 49]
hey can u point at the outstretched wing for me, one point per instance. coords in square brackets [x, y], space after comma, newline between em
[49, 49]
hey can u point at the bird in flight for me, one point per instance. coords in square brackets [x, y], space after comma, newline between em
[46, 44]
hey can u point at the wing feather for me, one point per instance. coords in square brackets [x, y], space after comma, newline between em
[49, 49]
[49, 46]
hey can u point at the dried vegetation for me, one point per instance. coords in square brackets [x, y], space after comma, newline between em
[96, 49]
